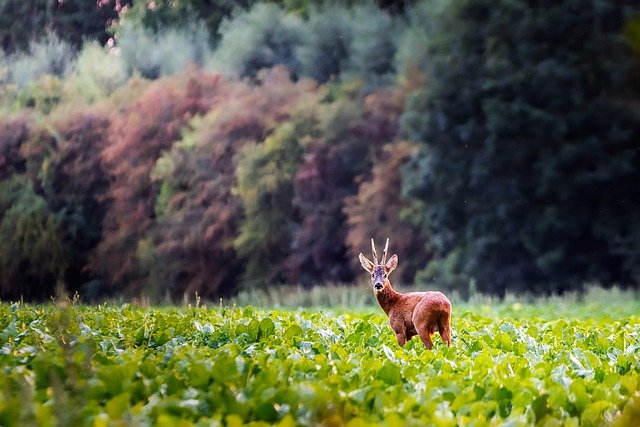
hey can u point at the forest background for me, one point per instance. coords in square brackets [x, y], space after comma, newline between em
[162, 148]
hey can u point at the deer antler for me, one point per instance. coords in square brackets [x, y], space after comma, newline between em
[384, 253]
[373, 252]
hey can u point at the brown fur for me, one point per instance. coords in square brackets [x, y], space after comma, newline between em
[413, 313]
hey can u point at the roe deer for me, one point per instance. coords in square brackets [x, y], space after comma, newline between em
[413, 313]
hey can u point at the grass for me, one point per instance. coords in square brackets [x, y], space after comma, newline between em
[595, 301]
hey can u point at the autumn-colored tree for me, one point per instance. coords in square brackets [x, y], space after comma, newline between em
[14, 132]
[138, 136]
[379, 211]
[352, 132]
[198, 214]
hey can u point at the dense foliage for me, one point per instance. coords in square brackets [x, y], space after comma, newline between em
[124, 365]
[530, 171]
[163, 148]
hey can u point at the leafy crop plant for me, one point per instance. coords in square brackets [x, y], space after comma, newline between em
[126, 365]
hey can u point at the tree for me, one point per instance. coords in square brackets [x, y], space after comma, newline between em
[33, 255]
[379, 211]
[14, 132]
[138, 137]
[265, 187]
[198, 213]
[529, 167]
[73, 21]
[351, 133]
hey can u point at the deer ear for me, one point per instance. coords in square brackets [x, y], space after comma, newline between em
[391, 264]
[366, 264]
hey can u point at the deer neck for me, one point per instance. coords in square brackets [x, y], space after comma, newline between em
[387, 297]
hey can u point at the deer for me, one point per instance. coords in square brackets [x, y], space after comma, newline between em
[410, 314]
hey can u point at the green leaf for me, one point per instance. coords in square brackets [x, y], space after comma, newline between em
[117, 406]
[267, 328]
[293, 333]
[390, 374]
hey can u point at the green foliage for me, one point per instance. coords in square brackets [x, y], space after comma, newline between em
[530, 158]
[96, 74]
[372, 46]
[163, 52]
[326, 41]
[49, 56]
[32, 253]
[75, 365]
[265, 187]
[260, 38]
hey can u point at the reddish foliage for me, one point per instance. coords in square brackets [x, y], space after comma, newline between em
[376, 211]
[194, 233]
[138, 137]
[328, 175]
[13, 134]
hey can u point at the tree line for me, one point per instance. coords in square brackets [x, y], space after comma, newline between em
[182, 147]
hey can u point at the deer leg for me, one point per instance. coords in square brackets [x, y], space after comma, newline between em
[425, 323]
[444, 327]
[400, 331]
[426, 340]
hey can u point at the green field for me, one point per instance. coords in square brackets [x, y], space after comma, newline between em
[510, 364]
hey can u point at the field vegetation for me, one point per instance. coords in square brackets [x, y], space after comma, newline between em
[560, 362]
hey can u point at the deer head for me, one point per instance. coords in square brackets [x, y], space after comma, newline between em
[379, 270]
